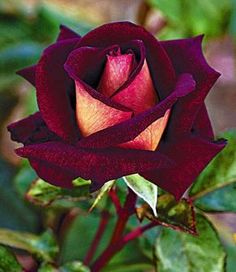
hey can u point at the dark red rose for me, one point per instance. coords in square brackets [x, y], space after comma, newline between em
[117, 102]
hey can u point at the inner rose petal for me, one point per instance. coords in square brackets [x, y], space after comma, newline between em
[93, 115]
[116, 72]
[140, 94]
[151, 136]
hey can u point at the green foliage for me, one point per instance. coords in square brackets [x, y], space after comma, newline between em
[75, 266]
[215, 188]
[44, 247]
[177, 215]
[14, 212]
[144, 189]
[181, 252]
[188, 18]
[8, 261]
[102, 192]
[43, 193]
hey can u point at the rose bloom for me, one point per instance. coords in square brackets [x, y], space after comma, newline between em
[117, 102]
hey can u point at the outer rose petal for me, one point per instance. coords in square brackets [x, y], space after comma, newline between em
[98, 165]
[140, 94]
[52, 173]
[130, 129]
[53, 84]
[191, 154]
[93, 115]
[187, 57]
[66, 33]
[28, 73]
[31, 130]
[157, 59]
[202, 124]
[115, 73]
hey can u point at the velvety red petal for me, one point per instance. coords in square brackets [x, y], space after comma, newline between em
[53, 85]
[202, 124]
[140, 94]
[161, 69]
[98, 165]
[115, 73]
[28, 73]
[191, 154]
[128, 130]
[93, 114]
[87, 63]
[31, 130]
[66, 33]
[53, 174]
[187, 57]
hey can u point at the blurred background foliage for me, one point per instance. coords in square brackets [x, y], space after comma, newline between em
[27, 26]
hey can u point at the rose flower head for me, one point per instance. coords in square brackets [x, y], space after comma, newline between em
[116, 102]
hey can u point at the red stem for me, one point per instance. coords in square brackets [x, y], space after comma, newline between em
[112, 249]
[123, 215]
[115, 200]
[102, 226]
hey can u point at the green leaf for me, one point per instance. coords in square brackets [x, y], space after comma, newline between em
[215, 188]
[126, 267]
[79, 236]
[8, 261]
[44, 247]
[75, 266]
[43, 193]
[24, 178]
[102, 192]
[202, 17]
[14, 211]
[46, 267]
[181, 252]
[144, 189]
[177, 215]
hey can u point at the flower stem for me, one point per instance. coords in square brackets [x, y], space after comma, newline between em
[123, 216]
[102, 226]
[112, 249]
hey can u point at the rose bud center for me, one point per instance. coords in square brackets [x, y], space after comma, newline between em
[123, 99]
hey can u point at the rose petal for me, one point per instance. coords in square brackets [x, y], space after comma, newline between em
[202, 124]
[87, 63]
[140, 94]
[53, 174]
[53, 84]
[115, 73]
[128, 130]
[191, 154]
[186, 56]
[98, 165]
[93, 115]
[28, 73]
[31, 130]
[151, 136]
[66, 33]
[157, 59]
